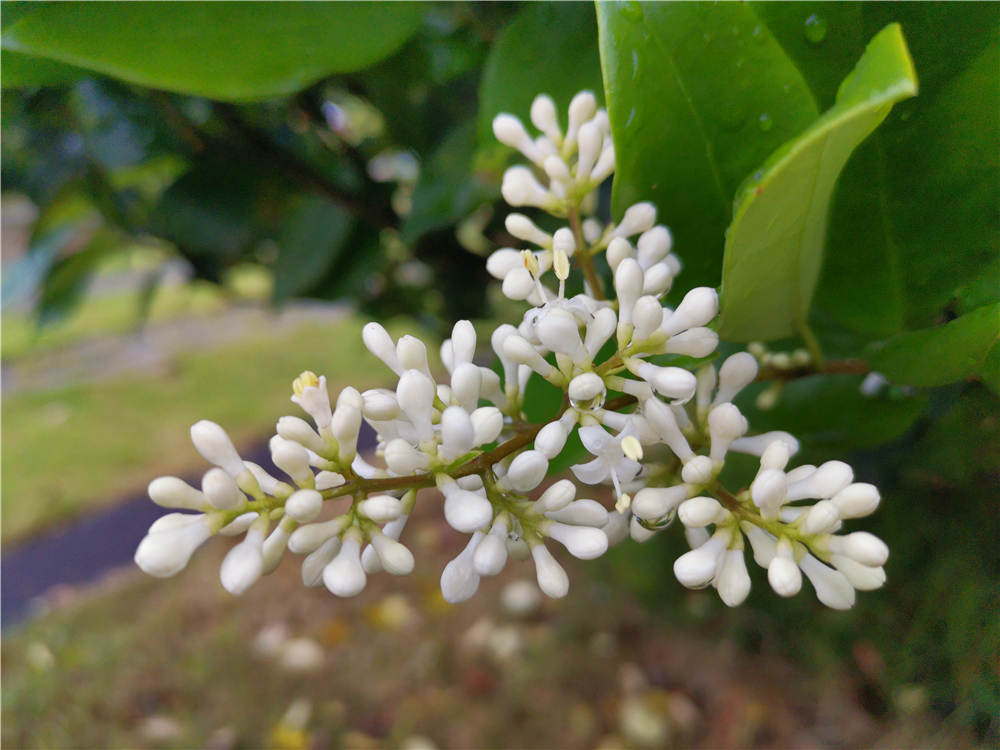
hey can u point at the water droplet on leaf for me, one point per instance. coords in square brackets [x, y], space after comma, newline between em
[815, 29]
[765, 122]
[633, 11]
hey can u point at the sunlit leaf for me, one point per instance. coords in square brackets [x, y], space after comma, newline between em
[774, 246]
[699, 94]
[223, 50]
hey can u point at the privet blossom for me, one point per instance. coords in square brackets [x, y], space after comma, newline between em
[660, 444]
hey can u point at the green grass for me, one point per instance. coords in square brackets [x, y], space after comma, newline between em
[72, 450]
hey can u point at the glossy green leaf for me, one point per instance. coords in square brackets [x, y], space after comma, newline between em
[309, 244]
[917, 208]
[774, 246]
[223, 50]
[939, 355]
[550, 48]
[26, 71]
[699, 94]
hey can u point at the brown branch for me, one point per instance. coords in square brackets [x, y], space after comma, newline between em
[830, 367]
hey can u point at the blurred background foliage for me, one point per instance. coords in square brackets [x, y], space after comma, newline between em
[343, 151]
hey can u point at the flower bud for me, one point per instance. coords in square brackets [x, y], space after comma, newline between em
[299, 431]
[638, 218]
[520, 188]
[524, 228]
[653, 503]
[396, 559]
[379, 342]
[784, 576]
[768, 489]
[457, 433]
[618, 250]
[381, 508]
[212, 442]
[327, 480]
[415, 394]
[510, 131]
[699, 470]
[861, 546]
[736, 373]
[854, 501]
[563, 241]
[380, 406]
[821, 518]
[599, 330]
[551, 439]
[764, 544]
[583, 542]
[657, 280]
[628, 285]
[487, 423]
[311, 394]
[638, 532]
[800, 472]
[171, 492]
[581, 513]
[244, 563]
[527, 471]
[504, 261]
[734, 581]
[653, 246]
[460, 581]
[646, 317]
[403, 459]
[307, 539]
[663, 422]
[370, 560]
[586, 387]
[697, 308]
[275, 544]
[552, 579]
[605, 164]
[544, 117]
[463, 338]
[304, 505]
[166, 552]
[561, 334]
[556, 497]
[725, 424]
[582, 108]
[490, 556]
[292, 459]
[344, 575]
[861, 577]
[706, 377]
[825, 482]
[672, 382]
[776, 455]
[465, 511]
[412, 354]
[696, 537]
[312, 566]
[345, 427]
[699, 511]
[522, 352]
[694, 342]
[832, 586]
[447, 359]
[466, 385]
[590, 142]
[698, 567]
[557, 171]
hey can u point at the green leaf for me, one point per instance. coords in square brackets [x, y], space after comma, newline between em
[699, 95]
[549, 48]
[449, 187]
[223, 50]
[829, 412]
[940, 355]
[25, 71]
[66, 283]
[310, 242]
[774, 246]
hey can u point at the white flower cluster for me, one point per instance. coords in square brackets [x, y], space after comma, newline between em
[469, 438]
